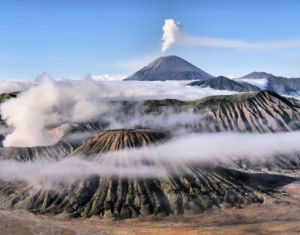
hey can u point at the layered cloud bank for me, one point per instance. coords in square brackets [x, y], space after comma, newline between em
[158, 160]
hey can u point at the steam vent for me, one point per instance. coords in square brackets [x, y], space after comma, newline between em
[198, 188]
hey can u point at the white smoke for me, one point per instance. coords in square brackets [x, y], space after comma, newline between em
[47, 105]
[51, 103]
[171, 34]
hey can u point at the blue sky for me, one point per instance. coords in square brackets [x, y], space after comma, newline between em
[72, 38]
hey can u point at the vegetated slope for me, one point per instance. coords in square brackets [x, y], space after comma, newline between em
[224, 83]
[169, 68]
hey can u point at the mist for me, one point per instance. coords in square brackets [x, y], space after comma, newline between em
[49, 104]
[162, 160]
[41, 114]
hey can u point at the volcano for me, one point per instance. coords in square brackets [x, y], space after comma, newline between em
[196, 188]
[169, 68]
[200, 188]
[113, 140]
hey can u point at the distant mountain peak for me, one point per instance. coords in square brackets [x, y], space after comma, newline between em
[169, 68]
[258, 75]
[224, 83]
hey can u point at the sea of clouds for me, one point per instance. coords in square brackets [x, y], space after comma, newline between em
[46, 104]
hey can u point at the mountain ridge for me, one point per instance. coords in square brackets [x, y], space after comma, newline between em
[224, 83]
[197, 187]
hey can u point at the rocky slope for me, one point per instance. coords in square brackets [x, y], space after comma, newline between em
[113, 140]
[53, 152]
[202, 187]
[169, 68]
[261, 111]
[197, 188]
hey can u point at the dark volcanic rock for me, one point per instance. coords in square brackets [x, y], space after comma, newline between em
[169, 68]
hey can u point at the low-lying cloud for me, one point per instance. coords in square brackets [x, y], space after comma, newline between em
[172, 157]
[107, 77]
[260, 83]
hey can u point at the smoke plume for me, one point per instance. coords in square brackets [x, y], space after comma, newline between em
[171, 34]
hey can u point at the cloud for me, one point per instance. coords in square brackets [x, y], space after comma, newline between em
[49, 104]
[108, 77]
[173, 34]
[13, 86]
[261, 83]
[159, 160]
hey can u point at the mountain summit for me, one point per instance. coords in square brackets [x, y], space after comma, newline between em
[169, 68]
[258, 75]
